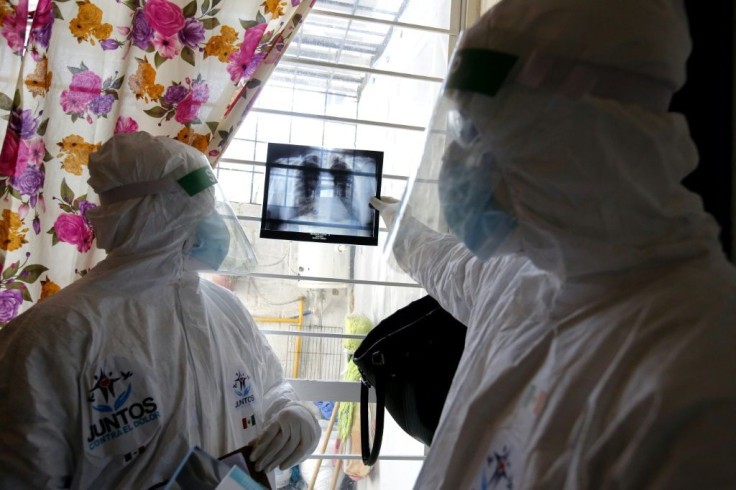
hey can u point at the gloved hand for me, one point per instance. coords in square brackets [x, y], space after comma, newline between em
[287, 439]
[387, 207]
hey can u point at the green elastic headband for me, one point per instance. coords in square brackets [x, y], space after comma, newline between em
[480, 70]
[198, 180]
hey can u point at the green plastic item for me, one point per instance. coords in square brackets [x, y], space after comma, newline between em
[356, 324]
[198, 180]
[360, 325]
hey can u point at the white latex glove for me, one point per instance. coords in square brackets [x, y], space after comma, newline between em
[287, 439]
[387, 207]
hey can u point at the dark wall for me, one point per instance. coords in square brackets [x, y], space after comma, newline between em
[707, 102]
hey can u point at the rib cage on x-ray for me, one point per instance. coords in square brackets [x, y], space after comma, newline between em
[322, 192]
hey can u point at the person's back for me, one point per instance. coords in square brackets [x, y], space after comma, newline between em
[118, 374]
[600, 350]
[596, 384]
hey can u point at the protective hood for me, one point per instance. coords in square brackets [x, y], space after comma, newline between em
[567, 101]
[646, 38]
[155, 223]
[595, 185]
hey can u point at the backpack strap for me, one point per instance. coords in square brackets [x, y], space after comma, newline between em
[371, 455]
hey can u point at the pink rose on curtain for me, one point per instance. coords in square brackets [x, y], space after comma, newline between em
[13, 28]
[71, 228]
[22, 125]
[125, 125]
[242, 63]
[31, 152]
[188, 109]
[163, 26]
[182, 102]
[88, 95]
[10, 301]
[164, 17]
[9, 154]
[167, 46]
[86, 84]
[85, 87]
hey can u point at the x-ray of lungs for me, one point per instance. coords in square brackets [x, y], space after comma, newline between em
[320, 194]
[308, 184]
[342, 179]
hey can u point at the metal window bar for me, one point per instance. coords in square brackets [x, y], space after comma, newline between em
[303, 333]
[346, 120]
[354, 5]
[286, 60]
[264, 275]
[376, 20]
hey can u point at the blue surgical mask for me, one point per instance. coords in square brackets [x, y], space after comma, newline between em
[467, 181]
[212, 242]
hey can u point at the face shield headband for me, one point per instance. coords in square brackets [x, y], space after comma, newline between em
[221, 244]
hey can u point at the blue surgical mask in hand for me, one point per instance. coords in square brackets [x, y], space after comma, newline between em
[467, 181]
[212, 242]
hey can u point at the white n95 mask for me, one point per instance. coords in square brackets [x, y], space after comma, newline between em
[212, 242]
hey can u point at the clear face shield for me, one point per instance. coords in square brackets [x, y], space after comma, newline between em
[455, 188]
[220, 243]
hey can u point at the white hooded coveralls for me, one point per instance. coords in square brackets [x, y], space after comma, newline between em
[109, 382]
[601, 353]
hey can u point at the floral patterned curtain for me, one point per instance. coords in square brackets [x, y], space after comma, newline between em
[189, 69]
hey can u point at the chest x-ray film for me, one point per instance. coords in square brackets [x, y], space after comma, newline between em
[321, 194]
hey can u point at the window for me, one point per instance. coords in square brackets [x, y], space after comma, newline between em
[360, 74]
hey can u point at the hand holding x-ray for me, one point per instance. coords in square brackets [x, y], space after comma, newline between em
[387, 207]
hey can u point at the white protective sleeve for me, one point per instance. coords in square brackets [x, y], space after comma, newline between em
[450, 273]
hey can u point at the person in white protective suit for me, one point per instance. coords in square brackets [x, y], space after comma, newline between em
[601, 311]
[109, 382]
